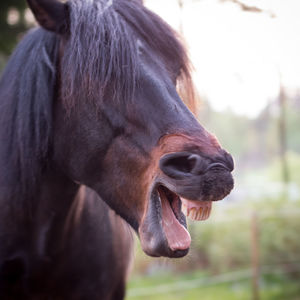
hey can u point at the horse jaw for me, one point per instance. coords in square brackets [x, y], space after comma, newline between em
[163, 229]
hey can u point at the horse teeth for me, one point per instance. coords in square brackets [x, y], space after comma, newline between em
[208, 211]
[200, 213]
[196, 215]
[193, 213]
[184, 209]
[196, 212]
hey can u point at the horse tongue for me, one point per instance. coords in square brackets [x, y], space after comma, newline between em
[177, 236]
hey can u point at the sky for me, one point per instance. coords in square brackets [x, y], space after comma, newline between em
[240, 58]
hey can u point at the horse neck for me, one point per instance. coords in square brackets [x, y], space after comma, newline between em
[50, 206]
[53, 204]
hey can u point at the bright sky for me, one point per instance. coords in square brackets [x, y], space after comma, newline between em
[239, 56]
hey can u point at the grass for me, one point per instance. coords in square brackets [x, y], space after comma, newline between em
[272, 287]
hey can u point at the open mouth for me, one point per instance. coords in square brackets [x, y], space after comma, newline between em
[173, 212]
[163, 230]
[186, 185]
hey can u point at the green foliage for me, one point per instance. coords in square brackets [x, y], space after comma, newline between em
[293, 127]
[272, 287]
[226, 126]
[10, 33]
[224, 243]
[225, 246]
[273, 171]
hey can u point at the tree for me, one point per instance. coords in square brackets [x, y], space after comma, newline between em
[249, 8]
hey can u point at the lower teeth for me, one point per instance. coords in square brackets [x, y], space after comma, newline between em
[196, 213]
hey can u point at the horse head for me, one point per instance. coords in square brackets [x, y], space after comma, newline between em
[120, 126]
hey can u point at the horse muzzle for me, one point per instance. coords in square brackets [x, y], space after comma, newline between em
[187, 186]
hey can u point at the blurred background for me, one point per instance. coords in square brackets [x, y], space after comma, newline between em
[246, 57]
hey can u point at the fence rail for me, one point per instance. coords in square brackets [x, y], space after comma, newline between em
[214, 280]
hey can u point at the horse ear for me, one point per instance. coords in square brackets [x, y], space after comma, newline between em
[51, 14]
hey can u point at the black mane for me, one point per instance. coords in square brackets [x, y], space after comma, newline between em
[100, 57]
[26, 94]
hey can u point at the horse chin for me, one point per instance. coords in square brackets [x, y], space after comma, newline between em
[163, 230]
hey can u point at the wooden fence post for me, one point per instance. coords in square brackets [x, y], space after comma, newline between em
[255, 256]
[283, 135]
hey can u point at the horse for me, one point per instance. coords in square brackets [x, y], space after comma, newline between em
[95, 139]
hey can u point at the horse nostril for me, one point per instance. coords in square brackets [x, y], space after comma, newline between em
[182, 164]
[197, 164]
[216, 166]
